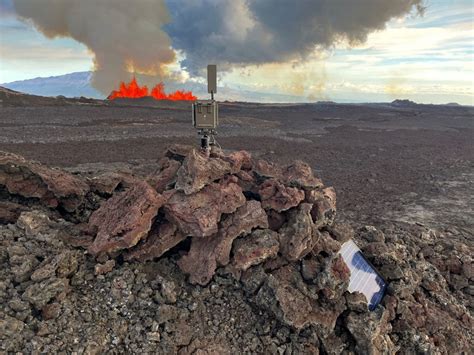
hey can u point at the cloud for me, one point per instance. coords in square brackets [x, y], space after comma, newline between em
[242, 32]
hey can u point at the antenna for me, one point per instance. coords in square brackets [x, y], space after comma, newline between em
[205, 112]
[212, 80]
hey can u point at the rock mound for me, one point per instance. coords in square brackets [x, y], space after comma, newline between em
[223, 253]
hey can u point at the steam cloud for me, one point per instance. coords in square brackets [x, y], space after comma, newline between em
[139, 34]
[122, 35]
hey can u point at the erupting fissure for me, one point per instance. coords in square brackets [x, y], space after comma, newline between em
[134, 91]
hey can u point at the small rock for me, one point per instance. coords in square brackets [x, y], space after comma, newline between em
[105, 268]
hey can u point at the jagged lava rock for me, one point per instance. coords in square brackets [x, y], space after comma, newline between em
[106, 183]
[125, 218]
[166, 177]
[198, 170]
[299, 174]
[53, 187]
[298, 235]
[285, 294]
[198, 214]
[255, 248]
[324, 206]
[276, 196]
[162, 237]
[206, 253]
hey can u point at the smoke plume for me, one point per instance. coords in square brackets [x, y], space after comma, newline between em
[123, 35]
[241, 32]
[145, 35]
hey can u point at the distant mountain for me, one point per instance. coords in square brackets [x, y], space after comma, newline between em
[69, 85]
[78, 84]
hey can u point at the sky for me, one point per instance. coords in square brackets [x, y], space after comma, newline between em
[427, 59]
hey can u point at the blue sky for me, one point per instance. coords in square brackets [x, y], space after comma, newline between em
[427, 59]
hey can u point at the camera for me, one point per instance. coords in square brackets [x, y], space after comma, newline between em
[205, 113]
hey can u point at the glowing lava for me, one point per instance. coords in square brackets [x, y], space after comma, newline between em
[134, 91]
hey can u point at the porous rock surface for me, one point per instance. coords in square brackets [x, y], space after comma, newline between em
[242, 258]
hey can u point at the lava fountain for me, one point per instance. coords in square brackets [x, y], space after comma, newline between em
[134, 91]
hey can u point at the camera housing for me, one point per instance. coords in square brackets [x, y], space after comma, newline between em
[205, 114]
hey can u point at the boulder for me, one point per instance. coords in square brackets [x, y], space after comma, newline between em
[162, 237]
[53, 187]
[178, 152]
[255, 248]
[298, 236]
[209, 252]
[198, 171]
[240, 160]
[265, 169]
[124, 219]
[333, 279]
[276, 196]
[324, 206]
[107, 183]
[285, 294]
[300, 174]
[370, 330]
[198, 214]
[165, 178]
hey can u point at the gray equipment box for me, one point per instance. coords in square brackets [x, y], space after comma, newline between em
[205, 114]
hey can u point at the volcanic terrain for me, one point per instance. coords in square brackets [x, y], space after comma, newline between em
[136, 244]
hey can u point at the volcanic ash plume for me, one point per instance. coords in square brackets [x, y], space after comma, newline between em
[123, 35]
[243, 32]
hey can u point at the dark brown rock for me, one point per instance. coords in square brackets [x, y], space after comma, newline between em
[324, 206]
[265, 169]
[356, 301]
[286, 295]
[253, 249]
[198, 214]
[53, 187]
[370, 332]
[108, 182]
[310, 267]
[165, 178]
[41, 293]
[51, 311]
[178, 151]
[125, 218]
[209, 252]
[300, 174]
[298, 236]
[326, 244]
[9, 212]
[161, 238]
[341, 232]
[198, 171]
[279, 197]
[275, 220]
[247, 181]
[333, 280]
[239, 160]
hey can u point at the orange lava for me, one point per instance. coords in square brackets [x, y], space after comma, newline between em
[134, 91]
